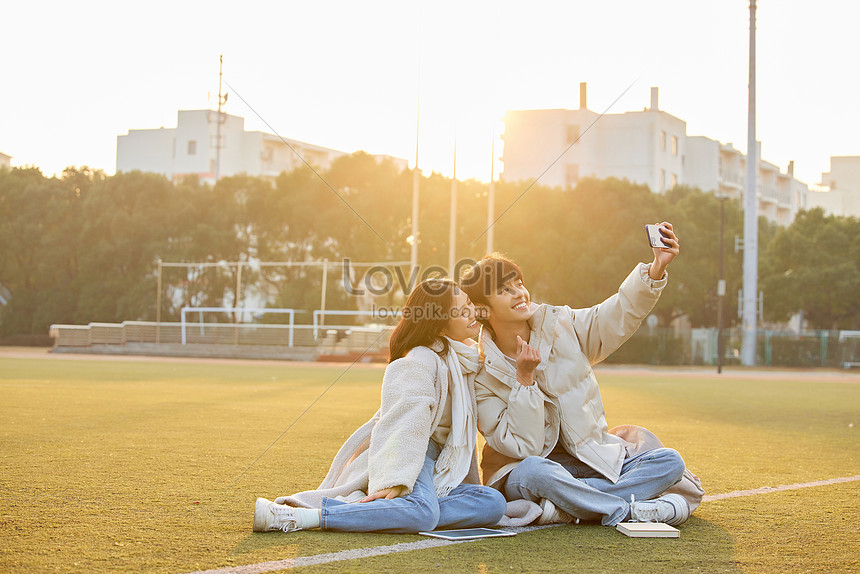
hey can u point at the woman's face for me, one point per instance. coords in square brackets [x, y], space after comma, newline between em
[510, 302]
[462, 324]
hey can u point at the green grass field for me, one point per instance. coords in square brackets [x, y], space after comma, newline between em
[117, 466]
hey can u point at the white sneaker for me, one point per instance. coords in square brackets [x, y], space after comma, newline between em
[552, 515]
[269, 516]
[671, 509]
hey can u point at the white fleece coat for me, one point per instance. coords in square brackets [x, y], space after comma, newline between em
[389, 449]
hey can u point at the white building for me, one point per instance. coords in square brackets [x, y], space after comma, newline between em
[649, 147]
[5, 160]
[839, 191]
[192, 147]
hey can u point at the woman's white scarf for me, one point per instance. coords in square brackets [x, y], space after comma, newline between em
[453, 463]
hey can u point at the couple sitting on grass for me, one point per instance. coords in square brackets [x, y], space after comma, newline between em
[528, 386]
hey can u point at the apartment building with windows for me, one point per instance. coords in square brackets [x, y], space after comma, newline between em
[839, 190]
[196, 146]
[649, 147]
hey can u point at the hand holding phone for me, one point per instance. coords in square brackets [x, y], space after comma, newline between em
[655, 237]
[664, 243]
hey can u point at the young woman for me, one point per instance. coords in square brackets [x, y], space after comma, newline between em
[413, 466]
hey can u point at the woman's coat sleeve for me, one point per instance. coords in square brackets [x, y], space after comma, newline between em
[399, 440]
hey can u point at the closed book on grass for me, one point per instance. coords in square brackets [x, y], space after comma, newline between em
[648, 530]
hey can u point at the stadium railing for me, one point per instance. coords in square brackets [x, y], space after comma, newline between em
[832, 349]
[330, 339]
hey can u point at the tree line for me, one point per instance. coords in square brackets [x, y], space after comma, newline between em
[83, 247]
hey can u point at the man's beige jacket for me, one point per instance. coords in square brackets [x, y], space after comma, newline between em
[564, 405]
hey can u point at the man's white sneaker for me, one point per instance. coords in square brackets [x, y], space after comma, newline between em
[671, 509]
[550, 514]
[269, 516]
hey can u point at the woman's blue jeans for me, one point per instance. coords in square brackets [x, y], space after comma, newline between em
[467, 506]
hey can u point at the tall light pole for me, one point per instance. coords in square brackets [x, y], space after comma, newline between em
[721, 288]
[750, 288]
[416, 176]
[491, 193]
[452, 235]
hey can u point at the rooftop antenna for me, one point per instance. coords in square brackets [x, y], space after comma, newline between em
[222, 99]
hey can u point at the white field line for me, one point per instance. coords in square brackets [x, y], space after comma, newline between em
[348, 554]
[435, 542]
[784, 487]
[331, 557]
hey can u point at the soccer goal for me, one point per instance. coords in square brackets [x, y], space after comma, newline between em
[201, 326]
[850, 343]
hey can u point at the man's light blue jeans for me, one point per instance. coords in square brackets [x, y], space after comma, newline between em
[583, 493]
[467, 506]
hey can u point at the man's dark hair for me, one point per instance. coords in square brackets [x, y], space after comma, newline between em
[485, 277]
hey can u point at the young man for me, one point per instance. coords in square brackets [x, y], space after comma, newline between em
[544, 422]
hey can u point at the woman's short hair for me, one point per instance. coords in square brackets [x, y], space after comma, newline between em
[425, 315]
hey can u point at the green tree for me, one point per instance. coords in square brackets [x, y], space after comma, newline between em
[576, 246]
[83, 247]
[127, 221]
[692, 289]
[813, 266]
[39, 232]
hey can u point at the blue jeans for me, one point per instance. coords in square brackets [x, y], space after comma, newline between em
[467, 506]
[583, 493]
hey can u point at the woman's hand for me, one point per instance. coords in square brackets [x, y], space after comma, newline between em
[528, 358]
[664, 255]
[386, 493]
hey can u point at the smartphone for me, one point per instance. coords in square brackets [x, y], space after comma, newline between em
[655, 237]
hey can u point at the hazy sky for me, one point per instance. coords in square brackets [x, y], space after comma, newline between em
[75, 75]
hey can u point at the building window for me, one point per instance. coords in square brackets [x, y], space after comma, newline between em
[192, 147]
[662, 141]
[662, 180]
[673, 181]
[571, 175]
[572, 134]
[674, 145]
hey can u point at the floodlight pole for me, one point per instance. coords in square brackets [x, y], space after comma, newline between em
[491, 192]
[750, 288]
[721, 288]
[452, 235]
[416, 175]
[413, 253]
